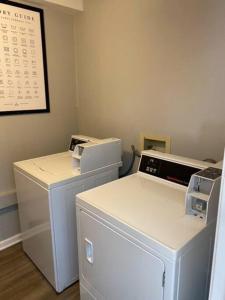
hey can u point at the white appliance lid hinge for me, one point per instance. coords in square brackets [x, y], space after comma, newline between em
[163, 279]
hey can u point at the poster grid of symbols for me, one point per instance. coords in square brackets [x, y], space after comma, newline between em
[22, 83]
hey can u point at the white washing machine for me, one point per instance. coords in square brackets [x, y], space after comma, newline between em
[46, 187]
[136, 241]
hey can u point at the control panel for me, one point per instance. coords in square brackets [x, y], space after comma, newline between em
[96, 155]
[168, 170]
[74, 142]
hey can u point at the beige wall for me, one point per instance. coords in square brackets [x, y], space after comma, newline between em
[66, 5]
[26, 136]
[154, 66]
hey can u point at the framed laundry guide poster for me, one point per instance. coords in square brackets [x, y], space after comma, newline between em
[23, 64]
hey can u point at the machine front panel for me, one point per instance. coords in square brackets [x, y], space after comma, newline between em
[109, 267]
[35, 224]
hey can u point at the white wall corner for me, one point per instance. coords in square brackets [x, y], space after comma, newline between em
[74, 4]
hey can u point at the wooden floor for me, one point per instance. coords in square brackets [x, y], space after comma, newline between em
[19, 279]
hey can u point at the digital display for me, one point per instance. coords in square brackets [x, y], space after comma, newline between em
[167, 170]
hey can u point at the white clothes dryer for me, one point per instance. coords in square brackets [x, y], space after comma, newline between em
[135, 240]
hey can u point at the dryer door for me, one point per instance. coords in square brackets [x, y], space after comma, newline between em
[113, 267]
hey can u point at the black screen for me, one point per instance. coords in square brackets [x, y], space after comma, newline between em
[168, 170]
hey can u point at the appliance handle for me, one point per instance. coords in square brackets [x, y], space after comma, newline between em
[89, 251]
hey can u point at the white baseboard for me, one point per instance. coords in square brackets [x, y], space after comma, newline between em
[10, 241]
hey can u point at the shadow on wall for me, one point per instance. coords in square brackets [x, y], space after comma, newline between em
[215, 132]
[208, 142]
[9, 222]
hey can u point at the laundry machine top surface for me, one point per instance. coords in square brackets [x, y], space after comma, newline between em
[152, 208]
[50, 169]
[149, 206]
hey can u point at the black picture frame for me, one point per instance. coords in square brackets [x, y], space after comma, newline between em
[46, 108]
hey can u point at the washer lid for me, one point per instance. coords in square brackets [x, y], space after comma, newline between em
[49, 169]
[152, 209]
